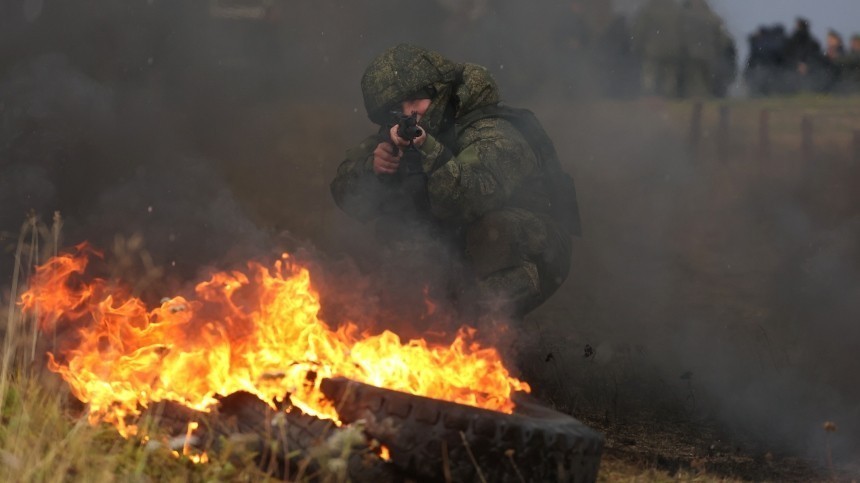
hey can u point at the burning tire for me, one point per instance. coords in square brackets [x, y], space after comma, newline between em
[242, 424]
[271, 329]
[442, 441]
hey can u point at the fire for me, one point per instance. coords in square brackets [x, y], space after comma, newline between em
[255, 331]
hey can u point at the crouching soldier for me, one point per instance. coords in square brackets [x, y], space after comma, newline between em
[481, 178]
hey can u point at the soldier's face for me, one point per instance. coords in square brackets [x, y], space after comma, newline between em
[418, 106]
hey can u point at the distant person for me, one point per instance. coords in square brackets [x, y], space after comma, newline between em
[611, 51]
[595, 48]
[849, 74]
[707, 61]
[801, 46]
[726, 66]
[834, 59]
[835, 47]
[685, 49]
[855, 46]
[767, 71]
[571, 38]
[806, 58]
[657, 40]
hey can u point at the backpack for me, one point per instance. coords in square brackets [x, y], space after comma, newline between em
[562, 191]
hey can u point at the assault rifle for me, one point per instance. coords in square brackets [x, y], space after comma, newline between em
[407, 126]
[413, 181]
[408, 129]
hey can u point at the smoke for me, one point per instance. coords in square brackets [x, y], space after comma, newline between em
[106, 153]
[215, 139]
[706, 291]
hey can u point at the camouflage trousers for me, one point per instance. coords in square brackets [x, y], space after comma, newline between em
[518, 260]
[505, 264]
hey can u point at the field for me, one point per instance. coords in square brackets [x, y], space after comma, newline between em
[701, 279]
[705, 329]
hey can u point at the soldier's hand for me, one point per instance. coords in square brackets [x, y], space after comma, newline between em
[386, 159]
[403, 142]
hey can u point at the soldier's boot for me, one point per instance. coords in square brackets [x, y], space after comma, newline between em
[510, 293]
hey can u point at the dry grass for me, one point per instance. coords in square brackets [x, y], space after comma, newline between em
[834, 123]
[42, 436]
[614, 469]
[44, 433]
[43, 440]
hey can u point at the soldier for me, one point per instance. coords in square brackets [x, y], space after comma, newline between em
[833, 62]
[702, 49]
[685, 48]
[766, 68]
[855, 45]
[849, 68]
[806, 58]
[657, 41]
[610, 52]
[489, 185]
[835, 49]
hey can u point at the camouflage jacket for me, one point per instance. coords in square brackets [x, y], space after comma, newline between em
[471, 170]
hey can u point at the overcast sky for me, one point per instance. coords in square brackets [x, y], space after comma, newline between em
[744, 16]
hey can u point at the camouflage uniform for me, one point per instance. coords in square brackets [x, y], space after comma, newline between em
[685, 48]
[484, 185]
[850, 68]
[657, 40]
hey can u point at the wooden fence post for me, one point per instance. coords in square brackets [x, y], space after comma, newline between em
[857, 148]
[723, 134]
[696, 128]
[764, 135]
[807, 146]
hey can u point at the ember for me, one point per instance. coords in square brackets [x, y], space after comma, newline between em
[239, 330]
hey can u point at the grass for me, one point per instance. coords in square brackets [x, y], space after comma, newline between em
[834, 122]
[44, 433]
[42, 440]
[613, 469]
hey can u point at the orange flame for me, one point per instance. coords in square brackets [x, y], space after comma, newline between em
[384, 453]
[257, 332]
